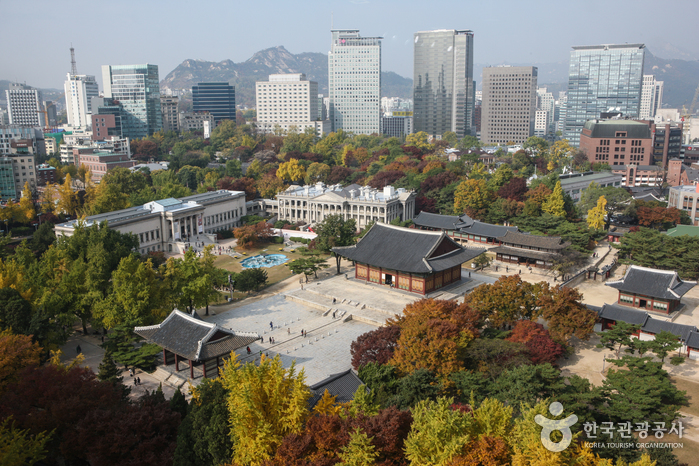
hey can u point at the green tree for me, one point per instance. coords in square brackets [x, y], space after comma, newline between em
[108, 371]
[554, 204]
[15, 311]
[663, 344]
[620, 334]
[265, 403]
[307, 266]
[317, 172]
[334, 231]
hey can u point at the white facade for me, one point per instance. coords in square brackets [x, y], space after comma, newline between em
[286, 101]
[541, 123]
[546, 102]
[24, 105]
[114, 144]
[651, 97]
[311, 204]
[354, 82]
[169, 224]
[79, 90]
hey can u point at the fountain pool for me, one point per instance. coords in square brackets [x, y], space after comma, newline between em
[268, 260]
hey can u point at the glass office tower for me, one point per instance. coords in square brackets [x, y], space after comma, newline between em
[354, 82]
[602, 77]
[137, 89]
[217, 98]
[443, 87]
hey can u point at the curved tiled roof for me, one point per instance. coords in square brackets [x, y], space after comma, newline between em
[443, 222]
[534, 241]
[193, 338]
[486, 229]
[664, 284]
[406, 250]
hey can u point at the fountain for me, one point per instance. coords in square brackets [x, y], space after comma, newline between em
[264, 260]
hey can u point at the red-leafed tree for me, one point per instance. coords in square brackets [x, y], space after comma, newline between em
[143, 433]
[536, 338]
[53, 398]
[438, 182]
[513, 189]
[412, 150]
[385, 178]
[425, 204]
[247, 236]
[247, 185]
[338, 174]
[655, 217]
[375, 346]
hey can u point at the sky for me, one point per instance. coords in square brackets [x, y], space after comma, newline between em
[38, 33]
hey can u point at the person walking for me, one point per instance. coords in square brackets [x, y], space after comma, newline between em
[271, 326]
[249, 350]
[288, 331]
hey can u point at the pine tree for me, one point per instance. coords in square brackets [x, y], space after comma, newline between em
[108, 371]
[178, 403]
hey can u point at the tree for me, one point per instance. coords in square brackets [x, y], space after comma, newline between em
[640, 392]
[663, 344]
[620, 334]
[418, 140]
[438, 433]
[317, 172]
[506, 301]
[656, 217]
[291, 171]
[376, 346]
[359, 451]
[15, 311]
[265, 403]
[17, 352]
[251, 279]
[269, 186]
[513, 189]
[567, 317]
[26, 205]
[18, 447]
[334, 231]
[108, 371]
[595, 217]
[473, 197]
[433, 336]
[307, 266]
[555, 202]
[537, 340]
[43, 238]
[246, 236]
[67, 199]
[204, 436]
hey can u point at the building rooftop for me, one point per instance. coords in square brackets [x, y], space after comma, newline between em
[586, 177]
[608, 129]
[443, 222]
[487, 230]
[343, 386]
[407, 250]
[681, 230]
[663, 284]
[536, 241]
[192, 338]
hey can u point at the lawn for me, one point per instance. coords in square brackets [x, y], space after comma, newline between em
[692, 390]
[274, 274]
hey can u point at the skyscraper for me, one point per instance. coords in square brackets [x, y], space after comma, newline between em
[443, 88]
[354, 82]
[79, 90]
[509, 104]
[651, 97]
[217, 98]
[602, 77]
[24, 105]
[137, 88]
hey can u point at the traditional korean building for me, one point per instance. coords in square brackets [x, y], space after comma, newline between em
[188, 339]
[529, 250]
[462, 228]
[651, 289]
[413, 260]
[342, 386]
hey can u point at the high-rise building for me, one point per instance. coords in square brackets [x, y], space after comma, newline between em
[168, 108]
[79, 90]
[509, 104]
[137, 89]
[443, 87]
[651, 97]
[354, 82]
[106, 118]
[217, 98]
[288, 100]
[602, 77]
[545, 101]
[24, 105]
[397, 123]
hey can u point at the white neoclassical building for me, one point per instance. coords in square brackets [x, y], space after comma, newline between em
[311, 204]
[168, 224]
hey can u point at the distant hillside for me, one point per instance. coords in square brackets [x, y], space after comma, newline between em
[258, 68]
[681, 78]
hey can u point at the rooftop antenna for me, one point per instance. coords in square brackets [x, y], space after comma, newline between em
[73, 66]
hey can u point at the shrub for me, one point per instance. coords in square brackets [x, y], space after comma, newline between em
[298, 239]
[22, 231]
[224, 234]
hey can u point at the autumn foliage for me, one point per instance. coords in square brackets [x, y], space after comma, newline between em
[537, 340]
[375, 346]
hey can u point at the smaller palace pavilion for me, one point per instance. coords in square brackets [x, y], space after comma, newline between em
[529, 250]
[409, 259]
[651, 289]
[462, 228]
[188, 339]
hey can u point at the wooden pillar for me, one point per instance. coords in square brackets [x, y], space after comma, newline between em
[191, 369]
[177, 363]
